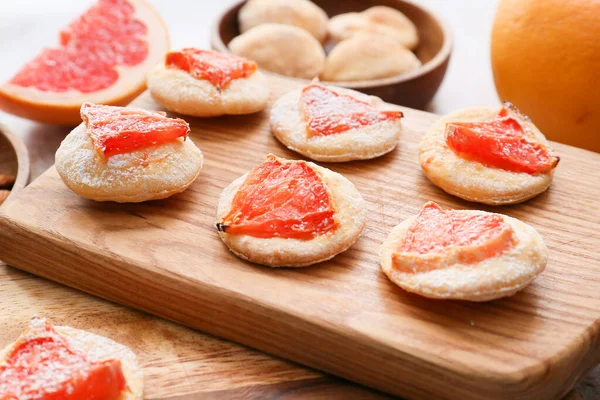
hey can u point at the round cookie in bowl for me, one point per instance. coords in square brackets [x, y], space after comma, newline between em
[488, 156]
[283, 49]
[127, 154]
[206, 83]
[365, 57]
[334, 124]
[301, 13]
[380, 20]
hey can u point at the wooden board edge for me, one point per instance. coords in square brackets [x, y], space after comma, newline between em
[213, 304]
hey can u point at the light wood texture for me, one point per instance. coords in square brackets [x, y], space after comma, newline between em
[14, 160]
[413, 89]
[342, 316]
[178, 363]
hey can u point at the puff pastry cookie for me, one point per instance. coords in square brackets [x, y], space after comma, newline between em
[290, 213]
[379, 20]
[206, 83]
[283, 49]
[127, 154]
[462, 254]
[62, 362]
[301, 13]
[488, 156]
[334, 124]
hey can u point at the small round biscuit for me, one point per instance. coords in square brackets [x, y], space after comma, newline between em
[378, 20]
[471, 180]
[100, 348]
[284, 49]
[180, 92]
[301, 13]
[150, 173]
[491, 278]
[363, 143]
[365, 57]
[285, 252]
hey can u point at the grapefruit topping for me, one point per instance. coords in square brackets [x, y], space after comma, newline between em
[118, 130]
[280, 198]
[328, 113]
[217, 68]
[43, 365]
[502, 143]
[438, 238]
[107, 35]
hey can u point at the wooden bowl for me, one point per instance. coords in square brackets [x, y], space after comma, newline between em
[412, 89]
[14, 160]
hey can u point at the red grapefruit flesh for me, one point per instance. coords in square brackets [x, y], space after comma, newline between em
[328, 113]
[118, 130]
[43, 365]
[217, 68]
[437, 238]
[103, 57]
[503, 143]
[280, 198]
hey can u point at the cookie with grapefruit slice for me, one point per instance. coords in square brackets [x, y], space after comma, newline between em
[334, 124]
[206, 83]
[102, 57]
[488, 156]
[290, 213]
[48, 363]
[462, 254]
[128, 154]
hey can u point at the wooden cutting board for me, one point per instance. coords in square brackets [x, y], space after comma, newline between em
[342, 316]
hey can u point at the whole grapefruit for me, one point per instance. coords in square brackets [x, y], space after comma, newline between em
[546, 61]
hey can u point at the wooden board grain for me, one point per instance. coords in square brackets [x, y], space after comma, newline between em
[342, 316]
[179, 363]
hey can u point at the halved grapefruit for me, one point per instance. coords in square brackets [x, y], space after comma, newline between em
[103, 57]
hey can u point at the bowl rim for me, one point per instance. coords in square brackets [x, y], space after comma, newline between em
[436, 62]
[23, 164]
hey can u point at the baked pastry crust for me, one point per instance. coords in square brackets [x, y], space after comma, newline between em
[363, 143]
[283, 49]
[301, 13]
[471, 180]
[491, 278]
[150, 173]
[180, 92]
[100, 348]
[280, 252]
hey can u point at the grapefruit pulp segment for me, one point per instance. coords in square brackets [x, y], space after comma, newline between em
[44, 365]
[280, 198]
[217, 68]
[501, 143]
[118, 130]
[328, 113]
[437, 238]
